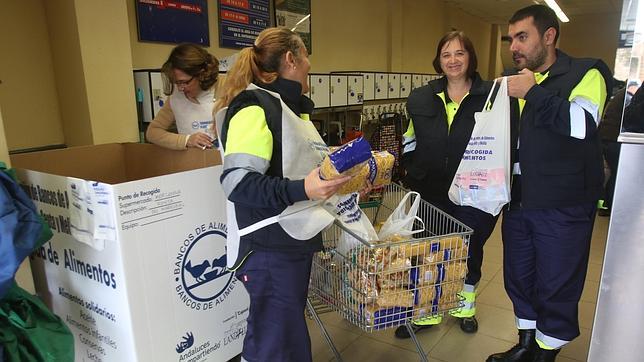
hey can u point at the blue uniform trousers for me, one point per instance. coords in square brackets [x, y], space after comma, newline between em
[277, 283]
[483, 224]
[545, 259]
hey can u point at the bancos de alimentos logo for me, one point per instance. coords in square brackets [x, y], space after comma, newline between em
[202, 280]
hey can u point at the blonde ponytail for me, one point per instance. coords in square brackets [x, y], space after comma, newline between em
[237, 78]
[261, 62]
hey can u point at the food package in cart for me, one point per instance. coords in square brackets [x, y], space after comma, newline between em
[452, 247]
[384, 317]
[396, 273]
[400, 297]
[425, 301]
[356, 159]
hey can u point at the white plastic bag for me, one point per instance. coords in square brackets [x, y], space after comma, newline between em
[483, 176]
[348, 212]
[401, 220]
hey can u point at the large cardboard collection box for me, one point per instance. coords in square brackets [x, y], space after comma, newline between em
[149, 281]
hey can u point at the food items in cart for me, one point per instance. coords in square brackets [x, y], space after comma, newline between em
[372, 259]
[400, 297]
[424, 301]
[455, 244]
[362, 287]
[396, 273]
[448, 294]
[381, 317]
[455, 270]
[426, 274]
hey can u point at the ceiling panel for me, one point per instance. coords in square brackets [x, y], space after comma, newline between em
[499, 11]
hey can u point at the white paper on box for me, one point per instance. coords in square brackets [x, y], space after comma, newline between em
[91, 212]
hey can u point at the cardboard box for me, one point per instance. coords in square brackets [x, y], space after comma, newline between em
[158, 290]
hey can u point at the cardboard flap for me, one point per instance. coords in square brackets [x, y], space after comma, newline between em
[116, 162]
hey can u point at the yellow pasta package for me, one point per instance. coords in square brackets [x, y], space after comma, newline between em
[375, 169]
[396, 298]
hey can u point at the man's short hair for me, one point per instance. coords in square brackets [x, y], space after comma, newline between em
[542, 16]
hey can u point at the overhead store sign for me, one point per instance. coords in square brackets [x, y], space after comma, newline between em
[240, 21]
[168, 21]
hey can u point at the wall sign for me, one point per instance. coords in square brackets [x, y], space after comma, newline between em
[169, 21]
[295, 15]
[240, 21]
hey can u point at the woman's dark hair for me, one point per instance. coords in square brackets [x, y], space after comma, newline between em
[465, 42]
[193, 60]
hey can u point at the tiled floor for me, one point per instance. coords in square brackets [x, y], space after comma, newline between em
[447, 342]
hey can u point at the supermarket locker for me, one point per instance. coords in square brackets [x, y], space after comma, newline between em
[416, 81]
[338, 90]
[369, 86]
[426, 79]
[355, 89]
[393, 85]
[405, 85]
[381, 85]
[320, 90]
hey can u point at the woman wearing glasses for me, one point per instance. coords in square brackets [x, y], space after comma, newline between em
[190, 74]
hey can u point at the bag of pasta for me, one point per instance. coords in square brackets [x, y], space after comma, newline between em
[367, 168]
[346, 159]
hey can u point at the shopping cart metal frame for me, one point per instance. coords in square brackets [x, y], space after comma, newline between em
[341, 281]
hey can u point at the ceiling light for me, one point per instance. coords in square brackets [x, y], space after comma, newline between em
[560, 14]
[300, 22]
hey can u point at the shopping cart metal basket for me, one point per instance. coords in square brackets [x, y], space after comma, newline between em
[382, 284]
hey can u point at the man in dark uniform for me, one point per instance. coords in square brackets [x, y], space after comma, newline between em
[557, 180]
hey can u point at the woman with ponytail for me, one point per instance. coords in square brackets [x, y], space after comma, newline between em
[189, 78]
[271, 151]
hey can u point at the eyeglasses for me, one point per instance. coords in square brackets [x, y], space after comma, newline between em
[183, 83]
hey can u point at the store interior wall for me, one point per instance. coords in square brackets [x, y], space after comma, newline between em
[107, 64]
[68, 71]
[69, 79]
[28, 94]
[582, 38]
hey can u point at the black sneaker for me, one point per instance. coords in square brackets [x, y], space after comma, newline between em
[469, 325]
[403, 333]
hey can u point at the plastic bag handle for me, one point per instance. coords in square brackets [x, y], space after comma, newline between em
[421, 222]
[489, 96]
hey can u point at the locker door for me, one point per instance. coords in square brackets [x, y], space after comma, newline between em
[338, 90]
[394, 85]
[405, 85]
[381, 85]
[320, 90]
[355, 89]
[369, 86]
[416, 81]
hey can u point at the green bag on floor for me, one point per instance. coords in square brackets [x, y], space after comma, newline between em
[31, 332]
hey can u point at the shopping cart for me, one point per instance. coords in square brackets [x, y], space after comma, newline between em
[380, 285]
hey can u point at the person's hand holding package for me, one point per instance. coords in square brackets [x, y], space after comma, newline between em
[318, 189]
